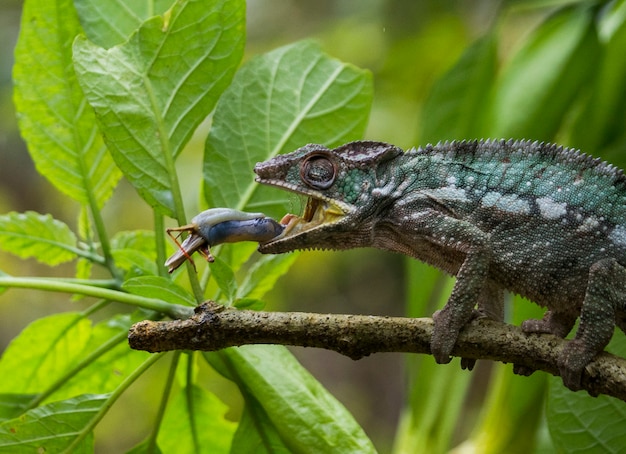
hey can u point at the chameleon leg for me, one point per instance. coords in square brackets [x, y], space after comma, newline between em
[465, 243]
[620, 319]
[458, 310]
[491, 306]
[557, 323]
[491, 302]
[605, 297]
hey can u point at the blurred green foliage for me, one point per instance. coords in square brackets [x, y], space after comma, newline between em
[441, 71]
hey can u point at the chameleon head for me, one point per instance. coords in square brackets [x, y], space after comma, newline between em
[337, 184]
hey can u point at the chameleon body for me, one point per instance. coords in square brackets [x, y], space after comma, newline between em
[534, 219]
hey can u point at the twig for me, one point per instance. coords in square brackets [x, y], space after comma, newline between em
[214, 327]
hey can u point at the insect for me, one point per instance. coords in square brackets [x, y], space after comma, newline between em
[217, 226]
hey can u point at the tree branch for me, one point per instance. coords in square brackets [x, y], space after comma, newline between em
[214, 327]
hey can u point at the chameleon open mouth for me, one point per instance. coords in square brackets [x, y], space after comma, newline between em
[317, 212]
[317, 173]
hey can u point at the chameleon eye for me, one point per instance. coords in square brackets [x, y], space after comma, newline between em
[318, 172]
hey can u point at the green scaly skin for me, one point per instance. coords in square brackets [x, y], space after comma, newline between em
[534, 219]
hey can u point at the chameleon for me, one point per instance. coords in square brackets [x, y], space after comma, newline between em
[534, 219]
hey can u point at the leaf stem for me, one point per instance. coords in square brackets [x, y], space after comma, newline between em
[111, 400]
[175, 311]
[168, 156]
[104, 239]
[63, 379]
[151, 445]
[102, 283]
[91, 197]
[89, 255]
[159, 238]
[170, 165]
[189, 390]
[101, 304]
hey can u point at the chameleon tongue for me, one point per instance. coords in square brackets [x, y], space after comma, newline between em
[288, 218]
[289, 221]
[310, 211]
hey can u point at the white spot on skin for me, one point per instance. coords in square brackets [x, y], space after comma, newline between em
[588, 225]
[618, 236]
[510, 203]
[416, 216]
[448, 193]
[550, 209]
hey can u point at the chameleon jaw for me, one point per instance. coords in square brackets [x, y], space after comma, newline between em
[317, 213]
[320, 211]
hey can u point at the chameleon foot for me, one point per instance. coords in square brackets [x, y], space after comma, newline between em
[442, 342]
[572, 362]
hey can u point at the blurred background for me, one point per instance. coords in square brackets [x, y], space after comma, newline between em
[407, 46]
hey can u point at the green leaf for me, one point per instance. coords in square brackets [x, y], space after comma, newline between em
[612, 20]
[133, 263]
[602, 119]
[53, 427]
[255, 432]
[249, 303]
[54, 118]
[112, 22]
[224, 277]
[307, 417]
[278, 102]
[43, 351]
[49, 347]
[144, 448]
[194, 422]
[151, 92]
[580, 423]
[456, 104]
[13, 405]
[140, 240]
[237, 254]
[135, 252]
[37, 235]
[115, 362]
[545, 76]
[83, 269]
[263, 275]
[159, 287]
